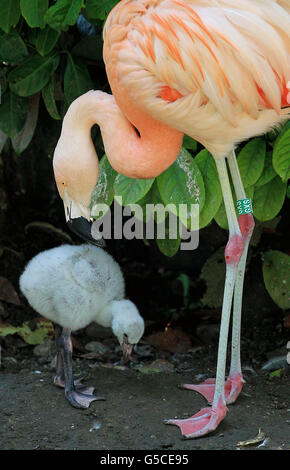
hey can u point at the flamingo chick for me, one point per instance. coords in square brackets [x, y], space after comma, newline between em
[216, 70]
[74, 286]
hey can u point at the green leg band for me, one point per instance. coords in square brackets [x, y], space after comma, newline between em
[244, 206]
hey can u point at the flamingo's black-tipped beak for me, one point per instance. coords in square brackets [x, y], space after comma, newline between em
[83, 228]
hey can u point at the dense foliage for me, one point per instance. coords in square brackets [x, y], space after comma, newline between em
[52, 51]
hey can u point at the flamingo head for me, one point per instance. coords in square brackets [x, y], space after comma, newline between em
[75, 165]
[127, 325]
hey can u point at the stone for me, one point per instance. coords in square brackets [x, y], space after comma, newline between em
[44, 349]
[96, 347]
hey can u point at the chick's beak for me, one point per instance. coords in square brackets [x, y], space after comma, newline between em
[127, 349]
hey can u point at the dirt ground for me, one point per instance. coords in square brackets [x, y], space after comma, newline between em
[35, 415]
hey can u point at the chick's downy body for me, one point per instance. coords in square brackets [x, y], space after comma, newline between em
[73, 285]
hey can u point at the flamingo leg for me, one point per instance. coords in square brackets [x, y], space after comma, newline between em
[208, 419]
[235, 381]
[77, 396]
[246, 223]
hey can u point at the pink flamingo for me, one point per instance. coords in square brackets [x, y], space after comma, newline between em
[216, 70]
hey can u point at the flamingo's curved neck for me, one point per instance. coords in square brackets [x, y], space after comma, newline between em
[144, 153]
[157, 145]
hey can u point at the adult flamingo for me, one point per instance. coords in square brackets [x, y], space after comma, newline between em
[216, 70]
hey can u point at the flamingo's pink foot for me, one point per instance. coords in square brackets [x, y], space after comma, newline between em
[203, 422]
[233, 387]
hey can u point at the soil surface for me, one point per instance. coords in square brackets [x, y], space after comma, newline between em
[35, 414]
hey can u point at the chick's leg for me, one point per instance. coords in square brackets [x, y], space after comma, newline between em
[59, 379]
[77, 398]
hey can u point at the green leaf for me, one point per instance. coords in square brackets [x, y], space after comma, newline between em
[276, 273]
[251, 161]
[152, 198]
[130, 189]
[3, 81]
[182, 183]
[99, 9]
[148, 203]
[13, 111]
[189, 143]
[276, 373]
[281, 156]
[268, 199]
[21, 140]
[63, 14]
[185, 281]
[31, 76]
[213, 192]
[12, 47]
[277, 133]
[49, 99]
[221, 217]
[3, 140]
[169, 247]
[7, 329]
[9, 14]
[77, 80]
[33, 11]
[31, 35]
[104, 189]
[280, 132]
[44, 329]
[213, 272]
[46, 39]
[268, 171]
